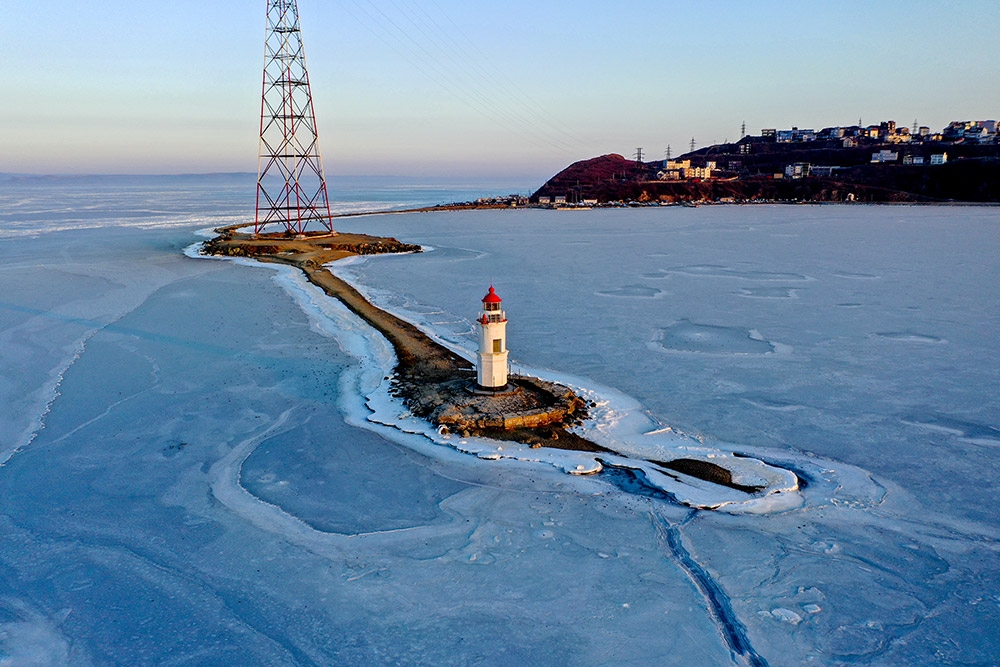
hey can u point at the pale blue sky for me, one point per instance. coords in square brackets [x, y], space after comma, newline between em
[443, 87]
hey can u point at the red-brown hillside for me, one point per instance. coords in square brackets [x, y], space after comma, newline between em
[588, 173]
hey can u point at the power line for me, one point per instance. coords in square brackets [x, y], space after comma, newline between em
[449, 67]
[496, 78]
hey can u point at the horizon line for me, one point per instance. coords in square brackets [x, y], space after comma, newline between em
[13, 174]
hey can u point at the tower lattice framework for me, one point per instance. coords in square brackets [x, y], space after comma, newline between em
[291, 187]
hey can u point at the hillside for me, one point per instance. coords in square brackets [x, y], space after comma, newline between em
[756, 171]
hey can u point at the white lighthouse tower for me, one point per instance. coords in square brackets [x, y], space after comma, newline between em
[492, 367]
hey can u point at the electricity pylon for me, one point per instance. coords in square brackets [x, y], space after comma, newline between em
[291, 188]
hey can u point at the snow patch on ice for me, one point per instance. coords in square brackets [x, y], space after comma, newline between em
[909, 337]
[717, 271]
[691, 337]
[970, 432]
[34, 640]
[775, 406]
[45, 397]
[165, 221]
[632, 291]
[786, 615]
[856, 276]
[769, 293]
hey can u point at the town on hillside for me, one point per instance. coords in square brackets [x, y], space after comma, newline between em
[884, 162]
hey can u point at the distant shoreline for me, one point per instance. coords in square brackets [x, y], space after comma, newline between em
[458, 206]
[754, 171]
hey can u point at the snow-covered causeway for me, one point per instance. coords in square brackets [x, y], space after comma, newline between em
[201, 463]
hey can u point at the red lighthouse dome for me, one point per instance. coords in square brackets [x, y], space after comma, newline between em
[491, 296]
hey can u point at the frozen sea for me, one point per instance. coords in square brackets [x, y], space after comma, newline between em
[200, 463]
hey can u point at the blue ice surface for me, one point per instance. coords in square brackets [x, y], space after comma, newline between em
[181, 485]
[901, 385]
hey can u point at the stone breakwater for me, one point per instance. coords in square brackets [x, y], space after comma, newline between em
[430, 379]
[435, 383]
[314, 249]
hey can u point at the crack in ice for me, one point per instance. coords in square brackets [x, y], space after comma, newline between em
[720, 607]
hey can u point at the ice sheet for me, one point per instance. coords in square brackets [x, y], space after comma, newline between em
[857, 400]
[199, 489]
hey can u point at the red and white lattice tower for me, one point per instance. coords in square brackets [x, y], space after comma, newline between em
[291, 188]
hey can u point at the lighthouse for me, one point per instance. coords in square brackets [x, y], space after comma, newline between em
[492, 367]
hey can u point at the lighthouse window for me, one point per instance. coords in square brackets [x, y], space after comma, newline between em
[492, 306]
[497, 345]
